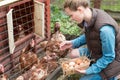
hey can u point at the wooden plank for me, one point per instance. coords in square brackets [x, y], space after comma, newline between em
[114, 14]
[6, 2]
[55, 74]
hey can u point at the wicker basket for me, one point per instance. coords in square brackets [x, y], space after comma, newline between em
[69, 65]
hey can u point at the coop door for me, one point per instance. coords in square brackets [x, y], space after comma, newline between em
[39, 18]
[10, 31]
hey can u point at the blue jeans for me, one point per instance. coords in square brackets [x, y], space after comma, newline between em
[94, 77]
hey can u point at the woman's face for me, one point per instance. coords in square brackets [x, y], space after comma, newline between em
[77, 16]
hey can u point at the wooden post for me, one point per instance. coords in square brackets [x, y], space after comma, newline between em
[97, 3]
[47, 13]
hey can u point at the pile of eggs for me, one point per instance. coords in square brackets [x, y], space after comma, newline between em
[69, 66]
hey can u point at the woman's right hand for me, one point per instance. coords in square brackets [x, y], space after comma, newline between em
[65, 45]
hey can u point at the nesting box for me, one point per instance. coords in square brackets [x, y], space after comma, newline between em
[20, 22]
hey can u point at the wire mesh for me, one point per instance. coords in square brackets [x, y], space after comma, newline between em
[23, 19]
[23, 25]
[3, 28]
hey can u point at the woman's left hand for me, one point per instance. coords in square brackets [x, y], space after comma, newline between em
[80, 71]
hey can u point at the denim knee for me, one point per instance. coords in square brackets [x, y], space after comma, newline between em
[84, 51]
[91, 77]
[94, 77]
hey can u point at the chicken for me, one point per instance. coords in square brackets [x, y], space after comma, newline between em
[25, 76]
[52, 65]
[44, 68]
[40, 70]
[20, 33]
[54, 43]
[53, 47]
[57, 27]
[37, 73]
[22, 60]
[43, 44]
[1, 69]
[27, 57]
[45, 63]
[3, 77]
[33, 57]
[57, 35]
[51, 55]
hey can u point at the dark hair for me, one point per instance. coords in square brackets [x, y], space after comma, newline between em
[74, 4]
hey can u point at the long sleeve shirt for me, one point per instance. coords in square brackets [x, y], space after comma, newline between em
[107, 36]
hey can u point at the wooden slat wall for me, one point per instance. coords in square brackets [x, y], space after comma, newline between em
[10, 60]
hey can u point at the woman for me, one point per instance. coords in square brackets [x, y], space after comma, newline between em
[102, 37]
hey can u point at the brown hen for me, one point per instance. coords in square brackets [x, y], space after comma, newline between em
[28, 57]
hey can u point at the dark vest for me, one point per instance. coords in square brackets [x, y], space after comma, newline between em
[92, 33]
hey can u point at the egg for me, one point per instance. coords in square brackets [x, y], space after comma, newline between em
[20, 78]
[65, 66]
[82, 64]
[71, 63]
[78, 61]
[71, 67]
[76, 66]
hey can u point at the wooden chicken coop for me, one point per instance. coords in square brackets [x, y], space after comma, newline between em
[20, 22]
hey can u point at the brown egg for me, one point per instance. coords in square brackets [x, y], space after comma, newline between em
[65, 66]
[20, 78]
[78, 61]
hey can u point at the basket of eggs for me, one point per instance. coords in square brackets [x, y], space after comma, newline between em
[69, 65]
